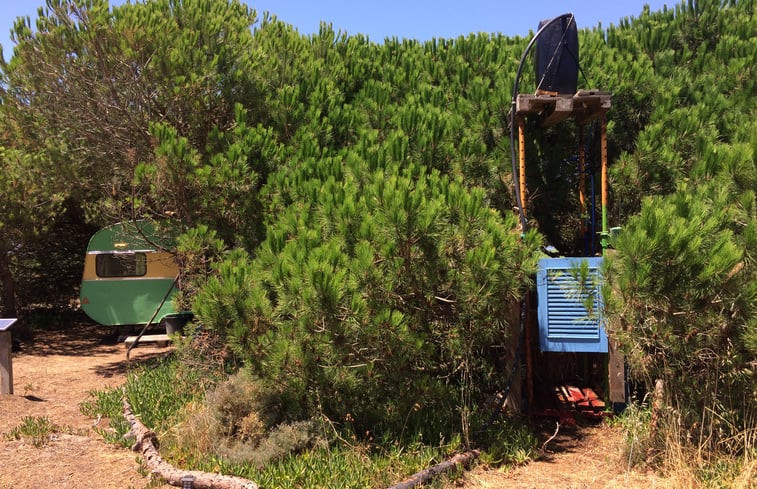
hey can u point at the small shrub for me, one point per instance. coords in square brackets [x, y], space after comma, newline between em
[687, 466]
[202, 356]
[238, 422]
[509, 442]
[234, 406]
[38, 429]
[283, 440]
[635, 421]
[339, 465]
[682, 462]
[158, 392]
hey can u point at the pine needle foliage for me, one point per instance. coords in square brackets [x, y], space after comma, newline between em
[683, 285]
[379, 297]
[348, 203]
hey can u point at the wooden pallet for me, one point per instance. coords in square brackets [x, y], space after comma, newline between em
[584, 106]
[161, 339]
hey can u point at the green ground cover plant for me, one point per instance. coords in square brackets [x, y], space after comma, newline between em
[38, 429]
[223, 429]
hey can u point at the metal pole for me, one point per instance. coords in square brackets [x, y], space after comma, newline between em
[141, 333]
[593, 216]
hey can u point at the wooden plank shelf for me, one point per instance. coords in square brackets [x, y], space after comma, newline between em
[161, 339]
[584, 106]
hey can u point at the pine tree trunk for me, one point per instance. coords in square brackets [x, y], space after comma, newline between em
[8, 287]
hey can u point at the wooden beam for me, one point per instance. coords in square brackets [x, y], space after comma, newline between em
[617, 375]
[424, 476]
[590, 104]
[526, 104]
[161, 339]
[584, 106]
[562, 109]
[604, 98]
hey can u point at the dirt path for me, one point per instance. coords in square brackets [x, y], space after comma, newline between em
[52, 376]
[589, 457]
[55, 373]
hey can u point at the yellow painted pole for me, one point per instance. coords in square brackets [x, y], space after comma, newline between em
[526, 303]
[522, 160]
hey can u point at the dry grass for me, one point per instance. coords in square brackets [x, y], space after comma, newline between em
[236, 423]
[692, 467]
[686, 463]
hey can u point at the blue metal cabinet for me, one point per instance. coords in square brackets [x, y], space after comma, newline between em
[570, 305]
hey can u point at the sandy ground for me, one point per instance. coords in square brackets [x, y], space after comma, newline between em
[55, 373]
[52, 376]
[589, 457]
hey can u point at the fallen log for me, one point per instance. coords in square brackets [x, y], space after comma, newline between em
[145, 443]
[424, 476]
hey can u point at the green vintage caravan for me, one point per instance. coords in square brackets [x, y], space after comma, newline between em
[128, 273]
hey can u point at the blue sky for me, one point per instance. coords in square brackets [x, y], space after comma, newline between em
[418, 19]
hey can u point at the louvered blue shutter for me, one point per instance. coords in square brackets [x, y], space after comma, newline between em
[566, 324]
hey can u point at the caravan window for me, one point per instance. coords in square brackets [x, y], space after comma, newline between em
[121, 264]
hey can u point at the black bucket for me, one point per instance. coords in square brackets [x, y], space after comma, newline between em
[175, 322]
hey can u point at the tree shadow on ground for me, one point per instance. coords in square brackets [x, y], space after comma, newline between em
[124, 366]
[569, 438]
[84, 339]
[75, 339]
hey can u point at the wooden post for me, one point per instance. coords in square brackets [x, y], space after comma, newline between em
[6, 365]
[527, 347]
[616, 375]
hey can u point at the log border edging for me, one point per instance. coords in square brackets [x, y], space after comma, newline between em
[419, 478]
[145, 441]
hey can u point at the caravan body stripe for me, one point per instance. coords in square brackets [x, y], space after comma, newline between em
[160, 265]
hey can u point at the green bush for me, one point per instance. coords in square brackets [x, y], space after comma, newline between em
[683, 302]
[382, 296]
